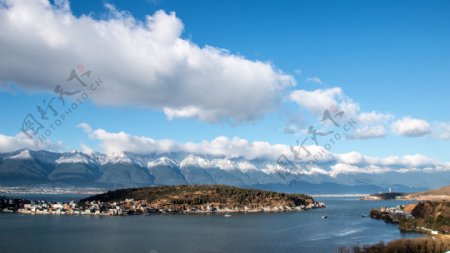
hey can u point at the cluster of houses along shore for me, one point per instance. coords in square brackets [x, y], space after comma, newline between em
[392, 214]
[129, 207]
[397, 214]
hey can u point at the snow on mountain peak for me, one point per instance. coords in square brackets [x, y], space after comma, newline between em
[196, 161]
[162, 161]
[23, 155]
[118, 158]
[246, 166]
[224, 164]
[74, 157]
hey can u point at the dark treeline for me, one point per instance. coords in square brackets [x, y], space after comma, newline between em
[202, 194]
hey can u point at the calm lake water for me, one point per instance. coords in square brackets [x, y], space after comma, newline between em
[269, 232]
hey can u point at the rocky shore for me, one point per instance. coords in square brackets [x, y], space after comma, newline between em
[425, 217]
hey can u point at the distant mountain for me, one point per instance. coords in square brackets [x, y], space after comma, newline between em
[76, 168]
[33, 168]
[25, 166]
[166, 171]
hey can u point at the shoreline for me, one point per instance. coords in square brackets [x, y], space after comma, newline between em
[3, 193]
[338, 195]
[409, 218]
[137, 207]
[162, 213]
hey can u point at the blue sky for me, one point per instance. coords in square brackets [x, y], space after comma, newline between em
[388, 57]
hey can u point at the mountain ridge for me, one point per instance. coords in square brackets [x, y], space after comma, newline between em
[29, 167]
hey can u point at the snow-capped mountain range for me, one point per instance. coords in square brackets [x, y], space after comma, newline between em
[28, 167]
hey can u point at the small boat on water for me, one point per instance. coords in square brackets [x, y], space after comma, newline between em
[324, 217]
[364, 215]
[227, 215]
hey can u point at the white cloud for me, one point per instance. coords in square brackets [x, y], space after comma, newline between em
[413, 161]
[442, 130]
[246, 166]
[315, 170]
[317, 101]
[86, 128]
[351, 158]
[143, 63]
[411, 127]
[341, 168]
[369, 124]
[219, 146]
[314, 80]
[366, 169]
[369, 132]
[326, 163]
[292, 129]
[21, 140]
[86, 149]
[121, 141]
[355, 163]
[374, 117]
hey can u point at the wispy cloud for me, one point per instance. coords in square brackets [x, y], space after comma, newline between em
[21, 140]
[374, 117]
[369, 132]
[314, 80]
[297, 71]
[442, 130]
[319, 100]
